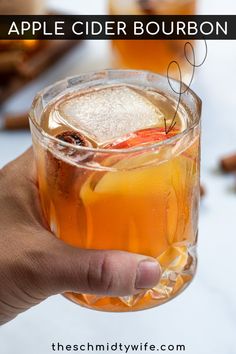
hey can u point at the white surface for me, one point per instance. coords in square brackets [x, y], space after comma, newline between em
[204, 316]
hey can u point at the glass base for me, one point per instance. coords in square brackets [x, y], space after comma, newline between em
[174, 280]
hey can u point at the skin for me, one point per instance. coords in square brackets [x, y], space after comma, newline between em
[34, 264]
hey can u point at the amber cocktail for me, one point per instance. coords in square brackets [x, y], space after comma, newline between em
[113, 176]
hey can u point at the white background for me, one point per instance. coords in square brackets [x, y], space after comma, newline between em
[204, 316]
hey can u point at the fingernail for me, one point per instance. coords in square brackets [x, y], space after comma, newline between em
[147, 275]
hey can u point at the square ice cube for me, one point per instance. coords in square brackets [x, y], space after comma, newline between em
[110, 112]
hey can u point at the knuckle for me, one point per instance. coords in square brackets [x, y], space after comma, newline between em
[3, 177]
[6, 171]
[6, 177]
[101, 275]
[108, 274]
[1, 174]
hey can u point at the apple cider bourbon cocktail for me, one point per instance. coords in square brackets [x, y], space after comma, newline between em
[113, 176]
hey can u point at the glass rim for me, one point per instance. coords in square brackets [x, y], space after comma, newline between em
[147, 147]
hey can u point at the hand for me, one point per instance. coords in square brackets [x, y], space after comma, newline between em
[34, 264]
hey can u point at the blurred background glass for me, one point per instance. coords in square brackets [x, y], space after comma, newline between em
[151, 54]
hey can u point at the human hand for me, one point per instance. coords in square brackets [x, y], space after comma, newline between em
[34, 264]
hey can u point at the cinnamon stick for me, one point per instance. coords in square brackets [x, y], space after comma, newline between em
[16, 121]
[228, 163]
[9, 61]
[202, 191]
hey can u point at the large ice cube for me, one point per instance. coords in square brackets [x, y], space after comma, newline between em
[111, 112]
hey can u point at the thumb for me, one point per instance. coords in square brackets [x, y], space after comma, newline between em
[113, 273]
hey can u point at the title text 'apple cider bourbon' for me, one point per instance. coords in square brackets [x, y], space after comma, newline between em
[113, 176]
